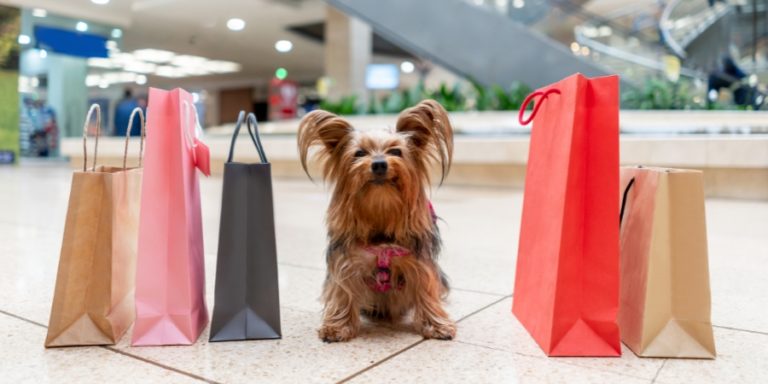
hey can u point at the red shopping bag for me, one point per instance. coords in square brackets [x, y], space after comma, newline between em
[567, 280]
[170, 276]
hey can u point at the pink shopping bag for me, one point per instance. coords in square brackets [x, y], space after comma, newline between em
[170, 276]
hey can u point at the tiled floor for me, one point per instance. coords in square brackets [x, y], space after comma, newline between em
[480, 232]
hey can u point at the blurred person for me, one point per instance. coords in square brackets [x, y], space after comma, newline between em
[730, 76]
[123, 113]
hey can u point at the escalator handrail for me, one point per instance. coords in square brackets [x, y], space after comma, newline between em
[664, 20]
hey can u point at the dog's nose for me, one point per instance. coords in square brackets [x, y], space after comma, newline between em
[379, 167]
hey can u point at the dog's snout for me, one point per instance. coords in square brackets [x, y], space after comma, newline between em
[379, 166]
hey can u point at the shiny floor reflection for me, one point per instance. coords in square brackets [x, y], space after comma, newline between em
[480, 229]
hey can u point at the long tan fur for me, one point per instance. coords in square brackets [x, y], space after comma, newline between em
[388, 210]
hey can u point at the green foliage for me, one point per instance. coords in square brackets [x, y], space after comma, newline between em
[348, 105]
[10, 24]
[9, 111]
[662, 94]
[453, 98]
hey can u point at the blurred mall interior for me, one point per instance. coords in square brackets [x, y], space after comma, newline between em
[687, 67]
[693, 78]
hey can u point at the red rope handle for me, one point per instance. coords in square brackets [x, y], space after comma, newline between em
[536, 106]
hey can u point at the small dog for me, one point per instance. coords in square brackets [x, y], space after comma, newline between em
[383, 236]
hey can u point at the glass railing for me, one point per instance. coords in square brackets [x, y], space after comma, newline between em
[615, 40]
[683, 20]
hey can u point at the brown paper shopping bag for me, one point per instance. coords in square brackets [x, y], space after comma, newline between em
[93, 300]
[664, 306]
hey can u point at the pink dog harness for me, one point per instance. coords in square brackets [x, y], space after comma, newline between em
[382, 280]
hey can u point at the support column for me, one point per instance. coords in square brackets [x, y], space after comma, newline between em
[68, 95]
[348, 49]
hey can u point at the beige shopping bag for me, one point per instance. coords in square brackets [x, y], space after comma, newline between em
[93, 300]
[664, 306]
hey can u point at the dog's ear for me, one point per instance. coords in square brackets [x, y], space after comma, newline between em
[429, 132]
[324, 129]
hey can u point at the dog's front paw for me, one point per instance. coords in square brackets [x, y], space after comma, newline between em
[334, 333]
[445, 330]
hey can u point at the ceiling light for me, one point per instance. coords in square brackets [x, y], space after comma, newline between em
[117, 33]
[283, 46]
[24, 39]
[39, 12]
[407, 67]
[100, 2]
[81, 26]
[43, 53]
[220, 66]
[141, 79]
[154, 55]
[575, 47]
[104, 84]
[605, 30]
[194, 71]
[518, 3]
[281, 73]
[188, 60]
[585, 51]
[236, 24]
[140, 67]
[169, 71]
[92, 80]
[101, 62]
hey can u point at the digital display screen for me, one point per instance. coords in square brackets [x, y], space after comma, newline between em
[382, 76]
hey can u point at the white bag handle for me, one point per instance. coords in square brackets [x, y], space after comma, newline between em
[189, 110]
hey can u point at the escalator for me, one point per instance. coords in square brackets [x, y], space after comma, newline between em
[504, 50]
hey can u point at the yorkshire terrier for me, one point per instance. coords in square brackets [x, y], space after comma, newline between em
[382, 230]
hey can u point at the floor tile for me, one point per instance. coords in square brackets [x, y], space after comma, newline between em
[742, 357]
[497, 328]
[298, 357]
[480, 228]
[453, 362]
[24, 360]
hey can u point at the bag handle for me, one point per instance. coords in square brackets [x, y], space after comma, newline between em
[189, 138]
[97, 108]
[140, 112]
[536, 106]
[253, 131]
[624, 199]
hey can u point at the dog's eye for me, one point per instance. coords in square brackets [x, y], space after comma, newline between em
[395, 152]
[360, 153]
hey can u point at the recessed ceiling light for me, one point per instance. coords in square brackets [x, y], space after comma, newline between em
[219, 66]
[43, 53]
[154, 55]
[39, 12]
[518, 3]
[81, 26]
[117, 33]
[141, 79]
[24, 39]
[283, 46]
[236, 24]
[140, 67]
[407, 67]
[100, 2]
[169, 71]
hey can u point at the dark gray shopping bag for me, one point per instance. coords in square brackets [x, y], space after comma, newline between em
[247, 305]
